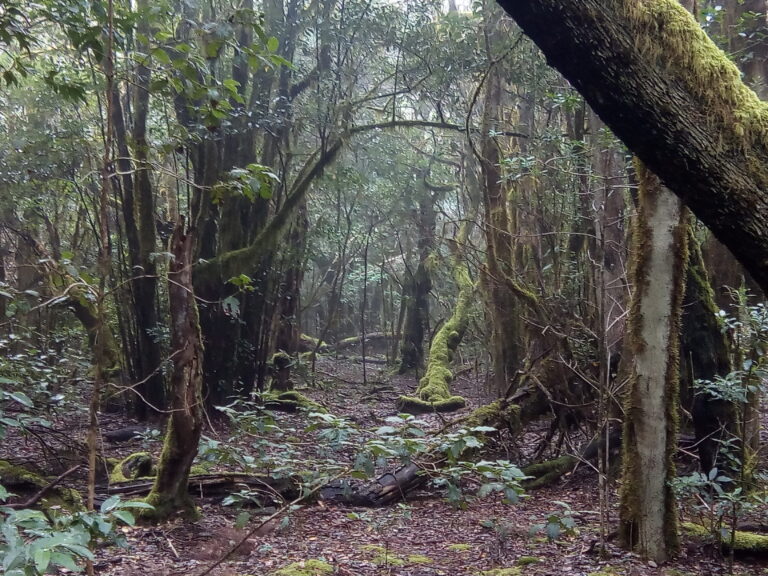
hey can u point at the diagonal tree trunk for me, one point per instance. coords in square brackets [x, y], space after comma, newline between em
[674, 98]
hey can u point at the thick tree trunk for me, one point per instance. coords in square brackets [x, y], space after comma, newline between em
[648, 515]
[674, 98]
[185, 425]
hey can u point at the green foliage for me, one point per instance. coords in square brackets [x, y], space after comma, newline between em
[717, 502]
[31, 542]
[557, 523]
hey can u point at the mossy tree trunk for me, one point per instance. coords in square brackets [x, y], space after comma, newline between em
[663, 87]
[169, 492]
[433, 393]
[503, 304]
[648, 514]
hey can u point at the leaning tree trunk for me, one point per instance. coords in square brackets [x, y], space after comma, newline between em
[648, 515]
[434, 393]
[169, 492]
[674, 98]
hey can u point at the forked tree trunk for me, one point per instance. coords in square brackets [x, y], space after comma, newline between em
[648, 515]
[169, 492]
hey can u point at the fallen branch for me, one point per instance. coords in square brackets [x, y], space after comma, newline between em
[42, 492]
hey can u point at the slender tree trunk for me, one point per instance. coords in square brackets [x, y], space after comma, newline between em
[648, 514]
[499, 263]
[169, 492]
[416, 287]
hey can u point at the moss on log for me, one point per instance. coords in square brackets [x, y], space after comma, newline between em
[744, 542]
[20, 480]
[498, 414]
[132, 467]
[290, 401]
[545, 473]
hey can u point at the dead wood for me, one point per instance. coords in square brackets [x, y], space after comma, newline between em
[43, 491]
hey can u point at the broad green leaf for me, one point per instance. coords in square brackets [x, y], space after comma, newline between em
[22, 398]
[109, 504]
[42, 559]
[125, 517]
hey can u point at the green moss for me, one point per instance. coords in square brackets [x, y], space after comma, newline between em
[668, 34]
[132, 467]
[527, 560]
[412, 405]
[311, 567]
[497, 414]
[545, 473]
[514, 571]
[200, 469]
[291, 401]
[419, 559]
[381, 556]
[744, 541]
[433, 393]
[460, 547]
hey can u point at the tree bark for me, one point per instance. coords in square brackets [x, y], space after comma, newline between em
[674, 98]
[185, 425]
[648, 514]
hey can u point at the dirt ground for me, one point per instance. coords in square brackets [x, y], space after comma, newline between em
[426, 536]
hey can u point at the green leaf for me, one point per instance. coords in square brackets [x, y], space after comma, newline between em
[42, 559]
[161, 56]
[136, 504]
[22, 398]
[486, 489]
[110, 504]
[125, 517]
[273, 44]
[65, 560]
[242, 520]
[553, 531]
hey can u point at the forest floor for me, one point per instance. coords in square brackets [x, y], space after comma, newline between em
[426, 537]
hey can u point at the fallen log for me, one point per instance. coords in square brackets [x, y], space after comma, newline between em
[385, 490]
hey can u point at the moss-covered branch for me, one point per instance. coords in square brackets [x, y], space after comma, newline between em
[675, 99]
